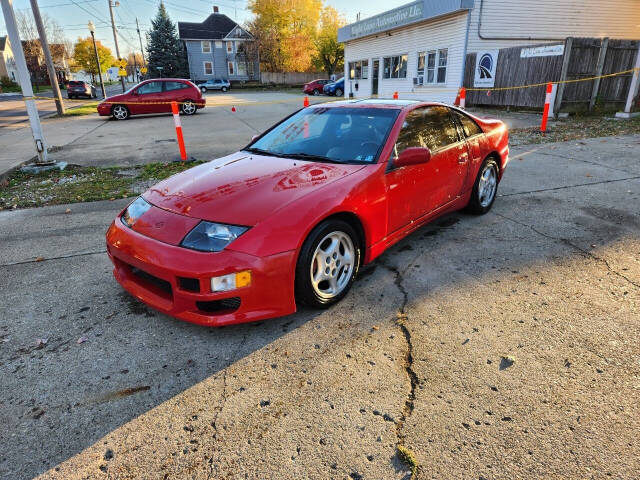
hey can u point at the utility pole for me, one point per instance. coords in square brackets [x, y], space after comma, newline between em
[92, 29]
[53, 78]
[25, 81]
[144, 63]
[115, 37]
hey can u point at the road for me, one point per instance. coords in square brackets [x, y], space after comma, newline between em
[494, 347]
[12, 110]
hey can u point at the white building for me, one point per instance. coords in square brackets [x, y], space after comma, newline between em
[7, 62]
[419, 49]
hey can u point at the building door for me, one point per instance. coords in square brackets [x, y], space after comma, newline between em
[375, 75]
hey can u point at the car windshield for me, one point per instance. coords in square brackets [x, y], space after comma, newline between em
[329, 134]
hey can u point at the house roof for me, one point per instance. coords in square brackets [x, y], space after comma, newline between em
[215, 27]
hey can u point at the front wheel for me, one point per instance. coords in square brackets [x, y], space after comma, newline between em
[120, 112]
[485, 188]
[188, 107]
[328, 264]
[316, 92]
[224, 89]
[203, 90]
[339, 92]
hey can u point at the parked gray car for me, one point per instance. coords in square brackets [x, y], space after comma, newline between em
[78, 88]
[215, 84]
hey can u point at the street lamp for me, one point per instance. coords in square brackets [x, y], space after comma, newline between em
[92, 29]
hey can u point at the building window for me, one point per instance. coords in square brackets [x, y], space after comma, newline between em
[359, 70]
[229, 47]
[230, 67]
[432, 66]
[442, 65]
[218, 43]
[206, 46]
[395, 67]
[242, 69]
[208, 68]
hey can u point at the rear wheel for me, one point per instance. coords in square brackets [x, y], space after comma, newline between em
[328, 264]
[189, 107]
[485, 188]
[316, 92]
[69, 96]
[120, 112]
[224, 89]
[203, 89]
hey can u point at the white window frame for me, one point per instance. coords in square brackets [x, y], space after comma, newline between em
[202, 45]
[218, 43]
[233, 67]
[238, 69]
[364, 69]
[436, 66]
[204, 68]
[399, 55]
[229, 46]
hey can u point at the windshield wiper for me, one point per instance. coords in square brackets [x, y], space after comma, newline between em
[261, 151]
[311, 157]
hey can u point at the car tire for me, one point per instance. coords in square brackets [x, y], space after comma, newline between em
[224, 89]
[189, 107]
[120, 112]
[485, 188]
[203, 89]
[320, 283]
[315, 92]
[69, 96]
[339, 92]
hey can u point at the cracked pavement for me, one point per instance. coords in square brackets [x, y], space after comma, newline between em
[494, 347]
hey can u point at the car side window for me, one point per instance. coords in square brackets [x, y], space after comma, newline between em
[151, 87]
[175, 86]
[469, 127]
[430, 127]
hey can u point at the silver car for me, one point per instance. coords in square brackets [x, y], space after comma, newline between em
[215, 84]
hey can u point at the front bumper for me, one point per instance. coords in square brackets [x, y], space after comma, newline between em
[176, 280]
[104, 109]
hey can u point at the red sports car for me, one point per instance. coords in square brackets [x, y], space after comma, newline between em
[154, 96]
[293, 216]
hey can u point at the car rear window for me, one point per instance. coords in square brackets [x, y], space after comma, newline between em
[175, 86]
[75, 83]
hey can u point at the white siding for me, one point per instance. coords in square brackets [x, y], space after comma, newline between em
[446, 33]
[533, 20]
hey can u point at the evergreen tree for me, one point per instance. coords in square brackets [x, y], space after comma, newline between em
[165, 49]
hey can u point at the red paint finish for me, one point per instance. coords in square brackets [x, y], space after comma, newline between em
[282, 200]
[140, 101]
[316, 85]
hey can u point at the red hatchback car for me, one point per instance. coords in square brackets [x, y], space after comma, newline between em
[293, 215]
[315, 87]
[154, 96]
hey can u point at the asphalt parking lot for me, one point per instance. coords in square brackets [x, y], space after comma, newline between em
[494, 347]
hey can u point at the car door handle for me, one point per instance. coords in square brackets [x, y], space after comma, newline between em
[463, 158]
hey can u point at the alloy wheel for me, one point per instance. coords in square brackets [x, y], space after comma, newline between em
[188, 107]
[332, 264]
[487, 186]
[120, 112]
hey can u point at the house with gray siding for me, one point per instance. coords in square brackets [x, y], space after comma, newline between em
[219, 48]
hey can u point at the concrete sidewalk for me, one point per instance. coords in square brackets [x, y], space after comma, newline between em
[212, 132]
[550, 278]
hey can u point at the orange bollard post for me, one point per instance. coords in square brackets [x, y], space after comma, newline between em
[305, 103]
[545, 113]
[176, 121]
[395, 95]
[463, 97]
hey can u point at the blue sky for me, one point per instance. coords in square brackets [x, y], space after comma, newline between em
[73, 15]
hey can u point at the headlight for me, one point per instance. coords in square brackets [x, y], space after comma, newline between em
[134, 211]
[212, 237]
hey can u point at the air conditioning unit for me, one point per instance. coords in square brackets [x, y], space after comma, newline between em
[418, 80]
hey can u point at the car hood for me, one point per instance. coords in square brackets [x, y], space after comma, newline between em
[115, 98]
[243, 188]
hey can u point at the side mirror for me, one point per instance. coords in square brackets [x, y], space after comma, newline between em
[254, 137]
[412, 156]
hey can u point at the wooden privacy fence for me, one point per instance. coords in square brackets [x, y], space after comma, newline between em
[290, 78]
[583, 58]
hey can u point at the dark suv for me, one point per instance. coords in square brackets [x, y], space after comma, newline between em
[79, 88]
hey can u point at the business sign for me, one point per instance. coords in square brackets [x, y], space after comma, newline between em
[485, 73]
[545, 51]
